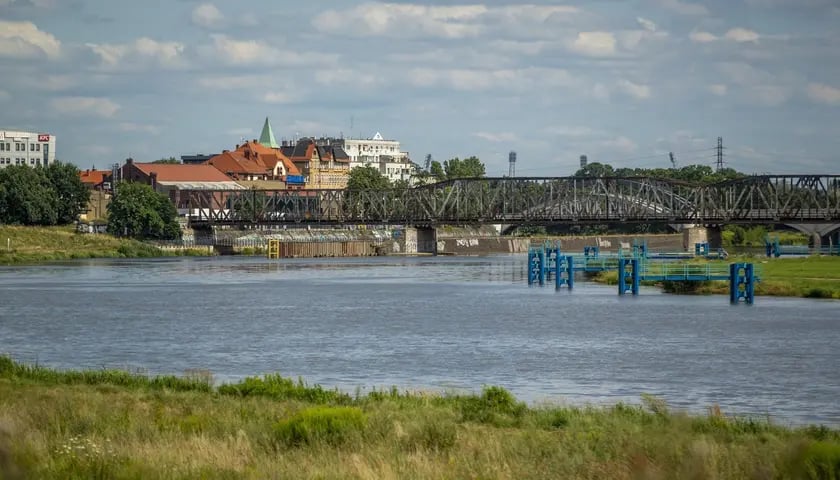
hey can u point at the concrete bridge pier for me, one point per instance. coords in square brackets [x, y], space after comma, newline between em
[698, 234]
[420, 240]
[821, 234]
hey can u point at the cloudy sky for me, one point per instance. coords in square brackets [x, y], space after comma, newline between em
[624, 82]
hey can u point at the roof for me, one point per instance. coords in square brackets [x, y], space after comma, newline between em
[93, 177]
[236, 163]
[267, 135]
[252, 158]
[229, 185]
[183, 173]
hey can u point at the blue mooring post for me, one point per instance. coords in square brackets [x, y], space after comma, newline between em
[634, 275]
[532, 264]
[541, 256]
[564, 272]
[741, 275]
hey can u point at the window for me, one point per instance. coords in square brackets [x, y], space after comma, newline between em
[2, 147]
[8, 147]
[37, 147]
[31, 147]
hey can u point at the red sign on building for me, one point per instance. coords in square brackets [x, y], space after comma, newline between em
[44, 137]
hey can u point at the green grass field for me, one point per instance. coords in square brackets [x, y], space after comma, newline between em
[809, 277]
[115, 425]
[21, 245]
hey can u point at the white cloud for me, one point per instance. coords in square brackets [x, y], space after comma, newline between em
[742, 35]
[207, 15]
[235, 82]
[702, 37]
[594, 44]
[620, 144]
[567, 131]
[822, 93]
[278, 97]
[342, 76]
[256, 52]
[486, 79]
[718, 89]
[768, 95]
[497, 137]
[168, 54]
[451, 21]
[138, 127]
[684, 8]
[85, 106]
[646, 24]
[25, 40]
[634, 89]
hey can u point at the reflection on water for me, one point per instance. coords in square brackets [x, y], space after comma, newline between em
[429, 322]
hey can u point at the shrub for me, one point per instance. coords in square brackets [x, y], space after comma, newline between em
[278, 387]
[436, 431]
[331, 425]
[495, 406]
[818, 292]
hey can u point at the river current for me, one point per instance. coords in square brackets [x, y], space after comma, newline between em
[433, 323]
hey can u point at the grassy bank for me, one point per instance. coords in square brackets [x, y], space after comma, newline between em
[20, 245]
[808, 277]
[110, 424]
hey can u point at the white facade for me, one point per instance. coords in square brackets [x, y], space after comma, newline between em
[379, 153]
[26, 148]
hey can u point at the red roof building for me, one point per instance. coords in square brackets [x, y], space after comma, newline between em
[94, 179]
[252, 161]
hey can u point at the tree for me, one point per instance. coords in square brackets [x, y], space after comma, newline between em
[138, 211]
[596, 169]
[71, 194]
[367, 178]
[170, 160]
[467, 168]
[436, 169]
[28, 197]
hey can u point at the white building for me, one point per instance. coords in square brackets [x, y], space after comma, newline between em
[26, 148]
[379, 153]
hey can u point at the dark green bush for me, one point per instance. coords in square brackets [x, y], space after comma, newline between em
[331, 425]
[279, 387]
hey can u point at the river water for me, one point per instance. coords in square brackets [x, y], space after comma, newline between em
[440, 323]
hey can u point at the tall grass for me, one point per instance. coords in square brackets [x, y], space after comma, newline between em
[65, 424]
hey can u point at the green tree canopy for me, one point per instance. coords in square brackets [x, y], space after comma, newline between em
[138, 211]
[467, 168]
[71, 194]
[436, 169]
[688, 173]
[171, 160]
[367, 178]
[28, 198]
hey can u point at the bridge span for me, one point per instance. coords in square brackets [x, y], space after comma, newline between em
[788, 199]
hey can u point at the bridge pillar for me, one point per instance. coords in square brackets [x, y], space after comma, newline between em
[426, 238]
[698, 234]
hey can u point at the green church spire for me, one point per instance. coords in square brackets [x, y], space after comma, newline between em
[267, 136]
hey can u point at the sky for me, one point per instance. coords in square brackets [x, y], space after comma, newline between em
[622, 81]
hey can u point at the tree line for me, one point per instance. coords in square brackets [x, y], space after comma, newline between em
[688, 173]
[51, 195]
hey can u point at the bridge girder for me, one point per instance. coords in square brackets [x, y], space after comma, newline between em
[551, 200]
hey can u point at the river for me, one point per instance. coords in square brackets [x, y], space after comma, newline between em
[438, 323]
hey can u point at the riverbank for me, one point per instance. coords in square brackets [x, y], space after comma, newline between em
[112, 424]
[806, 277]
[22, 245]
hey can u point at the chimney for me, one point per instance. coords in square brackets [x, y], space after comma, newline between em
[129, 160]
[228, 151]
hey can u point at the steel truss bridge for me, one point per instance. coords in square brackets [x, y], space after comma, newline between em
[534, 201]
